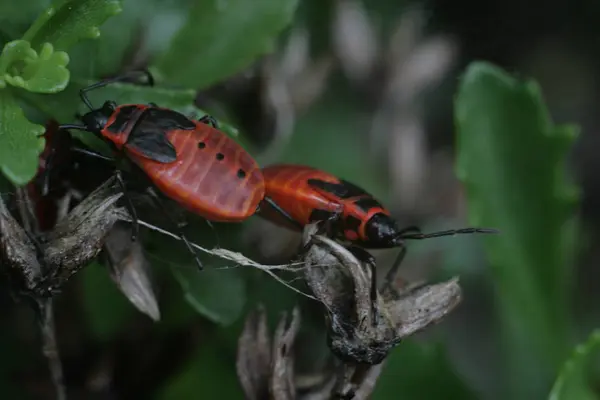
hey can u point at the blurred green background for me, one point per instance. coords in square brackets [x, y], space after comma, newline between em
[452, 113]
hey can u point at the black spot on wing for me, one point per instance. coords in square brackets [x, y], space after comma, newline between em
[342, 190]
[120, 123]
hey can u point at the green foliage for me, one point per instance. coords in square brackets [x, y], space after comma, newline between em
[217, 294]
[511, 159]
[69, 21]
[19, 144]
[43, 73]
[412, 367]
[221, 38]
[106, 309]
[572, 381]
[209, 361]
[33, 64]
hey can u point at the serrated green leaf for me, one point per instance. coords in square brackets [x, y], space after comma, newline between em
[43, 73]
[156, 21]
[65, 23]
[221, 38]
[571, 382]
[20, 144]
[511, 159]
[217, 294]
[17, 50]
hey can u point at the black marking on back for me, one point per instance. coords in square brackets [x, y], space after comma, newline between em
[167, 119]
[149, 135]
[367, 203]
[123, 118]
[342, 190]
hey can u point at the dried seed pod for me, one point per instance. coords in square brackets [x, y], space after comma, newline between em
[360, 331]
[282, 377]
[267, 371]
[79, 237]
[254, 356]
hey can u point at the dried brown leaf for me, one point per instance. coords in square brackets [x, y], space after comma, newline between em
[424, 306]
[130, 270]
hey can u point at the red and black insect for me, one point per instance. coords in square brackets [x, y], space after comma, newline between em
[347, 211]
[189, 161]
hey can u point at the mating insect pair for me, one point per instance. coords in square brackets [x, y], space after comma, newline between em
[211, 175]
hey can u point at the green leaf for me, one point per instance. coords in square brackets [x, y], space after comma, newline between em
[571, 382]
[20, 144]
[412, 367]
[67, 22]
[23, 67]
[511, 158]
[107, 310]
[15, 17]
[13, 52]
[218, 294]
[221, 38]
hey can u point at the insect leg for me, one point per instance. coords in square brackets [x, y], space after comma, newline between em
[325, 227]
[105, 82]
[281, 211]
[159, 204]
[367, 258]
[91, 153]
[390, 277]
[54, 143]
[209, 120]
[134, 219]
[73, 126]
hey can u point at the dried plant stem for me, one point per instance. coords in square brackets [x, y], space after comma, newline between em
[49, 346]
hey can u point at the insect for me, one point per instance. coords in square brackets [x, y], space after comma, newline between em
[347, 212]
[189, 161]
